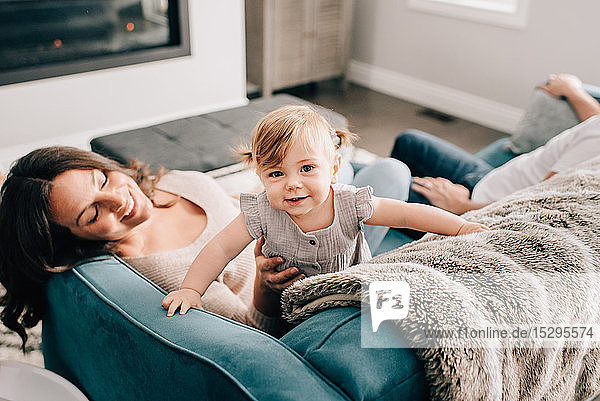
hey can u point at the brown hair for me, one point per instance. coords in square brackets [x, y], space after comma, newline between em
[31, 243]
[276, 132]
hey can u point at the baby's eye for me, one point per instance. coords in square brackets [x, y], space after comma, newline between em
[275, 174]
[306, 169]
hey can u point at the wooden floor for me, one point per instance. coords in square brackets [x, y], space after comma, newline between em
[379, 118]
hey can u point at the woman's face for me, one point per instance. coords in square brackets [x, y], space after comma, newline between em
[98, 206]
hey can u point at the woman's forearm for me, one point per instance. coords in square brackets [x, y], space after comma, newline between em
[583, 103]
[467, 205]
[266, 300]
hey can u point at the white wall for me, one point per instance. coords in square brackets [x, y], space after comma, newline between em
[72, 109]
[476, 71]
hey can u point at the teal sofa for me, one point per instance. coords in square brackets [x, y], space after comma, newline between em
[106, 332]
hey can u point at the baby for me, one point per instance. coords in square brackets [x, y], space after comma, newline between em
[305, 217]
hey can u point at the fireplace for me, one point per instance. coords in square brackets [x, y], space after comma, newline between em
[50, 38]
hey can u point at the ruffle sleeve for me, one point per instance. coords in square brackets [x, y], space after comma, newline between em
[249, 206]
[364, 203]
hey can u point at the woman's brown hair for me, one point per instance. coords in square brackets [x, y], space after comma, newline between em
[31, 244]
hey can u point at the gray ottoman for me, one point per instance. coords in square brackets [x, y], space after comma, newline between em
[202, 143]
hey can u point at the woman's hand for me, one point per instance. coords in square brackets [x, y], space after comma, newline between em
[184, 299]
[266, 272]
[571, 88]
[468, 228]
[269, 283]
[443, 193]
[562, 85]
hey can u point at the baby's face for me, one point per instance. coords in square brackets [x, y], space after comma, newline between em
[301, 184]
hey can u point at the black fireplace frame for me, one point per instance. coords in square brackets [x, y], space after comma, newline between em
[182, 48]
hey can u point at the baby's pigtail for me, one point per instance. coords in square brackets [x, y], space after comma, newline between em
[245, 154]
[344, 138]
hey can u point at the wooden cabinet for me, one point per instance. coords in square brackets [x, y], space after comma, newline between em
[292, 42]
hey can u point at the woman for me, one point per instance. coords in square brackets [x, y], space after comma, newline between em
[61, 204]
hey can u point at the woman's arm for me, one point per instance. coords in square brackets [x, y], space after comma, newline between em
[570, 86]
[399, 214]
[269, 283]
[209, 263]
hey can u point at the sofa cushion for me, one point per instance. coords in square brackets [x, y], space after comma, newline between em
[202, 143]
[331, 342]
[546, 116]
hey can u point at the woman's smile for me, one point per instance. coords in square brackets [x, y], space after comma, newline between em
[130, 211]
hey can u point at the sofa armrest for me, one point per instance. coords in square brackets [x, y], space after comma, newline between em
[106, 331]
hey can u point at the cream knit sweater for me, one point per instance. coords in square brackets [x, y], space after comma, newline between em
[230, 295]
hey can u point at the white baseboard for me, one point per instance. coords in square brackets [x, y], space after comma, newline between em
[451, 101]
[82, 140]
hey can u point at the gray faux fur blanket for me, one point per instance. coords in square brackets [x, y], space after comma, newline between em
[537, 266]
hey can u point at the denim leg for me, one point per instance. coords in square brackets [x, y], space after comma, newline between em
[429, 156]
[415, 197]
[389, 178]
[346, 172]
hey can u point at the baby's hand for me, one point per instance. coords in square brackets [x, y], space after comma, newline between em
[469, 227]
[184, 299]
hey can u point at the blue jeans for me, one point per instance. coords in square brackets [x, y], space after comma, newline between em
[429, 156]
[388, 177]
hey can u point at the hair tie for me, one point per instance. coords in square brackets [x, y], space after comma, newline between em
[337, 141]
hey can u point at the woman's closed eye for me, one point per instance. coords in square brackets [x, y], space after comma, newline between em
[96, 212]
[103, 183]
[104, 180]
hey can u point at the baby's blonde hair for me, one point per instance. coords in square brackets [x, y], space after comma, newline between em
[276, 132]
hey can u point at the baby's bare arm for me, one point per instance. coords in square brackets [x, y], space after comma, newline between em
[399, 214]
[209, 263]
[213, 258]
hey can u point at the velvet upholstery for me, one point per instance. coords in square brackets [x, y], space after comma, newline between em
[331, 342]
[106, 332]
